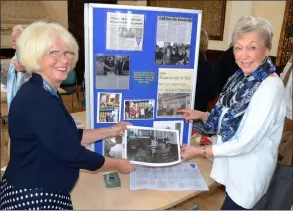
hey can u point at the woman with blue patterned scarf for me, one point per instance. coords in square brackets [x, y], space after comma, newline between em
[247, 121]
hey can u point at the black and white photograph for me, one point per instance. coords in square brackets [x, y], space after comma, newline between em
[108, 107]
[171, 125]
[151, 146]
[169, 103]
[127, 32]
[172, 53]
[113, 147]
[112, 72]
[139, 109]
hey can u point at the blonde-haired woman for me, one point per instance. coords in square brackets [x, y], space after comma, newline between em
[46, 147]
[16, 73]
[247, 121]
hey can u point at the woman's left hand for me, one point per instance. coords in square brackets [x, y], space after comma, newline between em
[119, 128]
[188, 151]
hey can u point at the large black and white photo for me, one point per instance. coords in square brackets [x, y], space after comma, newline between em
[152, 147]
[112, 72]
[173, 40]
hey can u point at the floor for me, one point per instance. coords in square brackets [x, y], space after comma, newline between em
[211, 200]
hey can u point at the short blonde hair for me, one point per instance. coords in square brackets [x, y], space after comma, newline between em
[35, 41]
[204, 41]
[248, 24]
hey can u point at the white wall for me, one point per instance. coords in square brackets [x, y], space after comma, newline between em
[273, 11]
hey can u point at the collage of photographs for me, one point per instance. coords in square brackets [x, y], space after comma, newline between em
[159, 144]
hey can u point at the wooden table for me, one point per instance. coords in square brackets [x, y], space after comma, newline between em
[3, 97]
[90, 193]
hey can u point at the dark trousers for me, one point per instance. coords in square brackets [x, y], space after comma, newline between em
[279, 196]
[229, 204]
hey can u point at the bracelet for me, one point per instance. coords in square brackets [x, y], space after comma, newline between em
[204, 152]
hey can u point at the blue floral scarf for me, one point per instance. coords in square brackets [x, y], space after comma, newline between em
[236, 96]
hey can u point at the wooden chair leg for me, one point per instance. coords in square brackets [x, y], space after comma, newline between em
[72, 103]
[2, 134]
[77, 95]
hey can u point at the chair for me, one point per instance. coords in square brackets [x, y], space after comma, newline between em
[2, 121]
[82, 90]
[70, 86]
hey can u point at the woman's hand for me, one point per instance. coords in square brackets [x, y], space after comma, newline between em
[190, 114]
[125, 167]
[188, 151]
[119, 128]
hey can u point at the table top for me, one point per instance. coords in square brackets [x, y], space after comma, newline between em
[90, 191]
[3, 97]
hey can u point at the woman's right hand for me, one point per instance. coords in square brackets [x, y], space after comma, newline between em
[190, 114]
[125, 167]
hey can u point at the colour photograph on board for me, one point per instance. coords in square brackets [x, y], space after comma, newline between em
[109, 107]
[113, 147]
[112, 72]
[171, 125]
[139, 109]
[152, 147]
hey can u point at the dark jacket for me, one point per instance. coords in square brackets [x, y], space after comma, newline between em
[225, 67]
[205, 84]
[46, 149]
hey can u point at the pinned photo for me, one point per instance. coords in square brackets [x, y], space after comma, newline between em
[171, 125]
[151, 146]
[169, 103]
[109, 106]
[112, 72]
[113, 147]
[139, 109]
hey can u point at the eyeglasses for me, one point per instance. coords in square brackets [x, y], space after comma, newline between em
[57, 54]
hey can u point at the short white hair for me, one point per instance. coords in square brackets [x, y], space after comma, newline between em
[19, 27]
[248, 24]
[35, 41]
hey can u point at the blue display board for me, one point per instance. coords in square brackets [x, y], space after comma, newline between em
[101, 108]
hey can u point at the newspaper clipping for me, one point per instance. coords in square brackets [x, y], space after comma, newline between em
[174, 91]
[124, 31]
[151, 146]
[173, 40]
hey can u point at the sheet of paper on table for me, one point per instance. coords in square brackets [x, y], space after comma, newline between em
[184, 176]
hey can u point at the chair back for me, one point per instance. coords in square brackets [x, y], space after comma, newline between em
[71, 79]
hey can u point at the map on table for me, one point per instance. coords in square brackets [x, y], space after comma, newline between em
[184, 176]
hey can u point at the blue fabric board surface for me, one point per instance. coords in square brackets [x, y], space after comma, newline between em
[140, 61]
